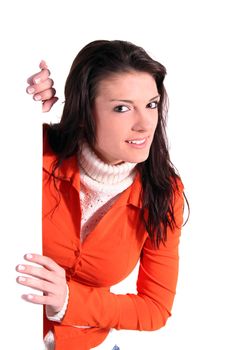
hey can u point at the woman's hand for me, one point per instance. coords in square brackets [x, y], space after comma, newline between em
[49, 278]
[41, 87]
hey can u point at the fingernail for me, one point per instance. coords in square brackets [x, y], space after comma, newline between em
[37, 80]
[21, 279]
[31, 90]
[37, 97]
[21, 267]
[29, 256]
[30, 296]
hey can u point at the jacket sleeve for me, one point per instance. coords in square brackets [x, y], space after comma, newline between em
[150, 308]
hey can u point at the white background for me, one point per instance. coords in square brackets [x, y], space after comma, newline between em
[190, 39]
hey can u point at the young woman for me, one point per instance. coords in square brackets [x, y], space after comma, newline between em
[111, 197]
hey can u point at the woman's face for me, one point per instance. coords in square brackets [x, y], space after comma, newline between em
[126, 115]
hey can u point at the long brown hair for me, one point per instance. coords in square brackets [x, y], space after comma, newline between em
[95, 62]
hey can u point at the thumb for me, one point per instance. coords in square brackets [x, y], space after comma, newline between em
[43, 65]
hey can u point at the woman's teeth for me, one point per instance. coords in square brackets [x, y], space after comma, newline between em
[137, 142]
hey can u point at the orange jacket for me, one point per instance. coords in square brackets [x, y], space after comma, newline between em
[108, 254]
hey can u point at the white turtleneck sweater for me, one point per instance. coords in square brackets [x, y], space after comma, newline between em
[100, 186]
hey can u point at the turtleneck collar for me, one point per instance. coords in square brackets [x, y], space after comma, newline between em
[102, 172]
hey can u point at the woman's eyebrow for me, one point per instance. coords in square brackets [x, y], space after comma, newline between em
[129, 101]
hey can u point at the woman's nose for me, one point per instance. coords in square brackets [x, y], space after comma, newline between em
[145, 121]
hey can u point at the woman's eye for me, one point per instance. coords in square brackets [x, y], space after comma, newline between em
[121, 109]
[153, 104]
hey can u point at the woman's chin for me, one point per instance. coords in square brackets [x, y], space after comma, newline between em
[137, 159]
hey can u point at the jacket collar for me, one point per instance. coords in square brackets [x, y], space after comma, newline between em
[69, 171]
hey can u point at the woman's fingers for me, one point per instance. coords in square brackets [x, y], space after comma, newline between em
[43, 65]
[43, 91]
[47, 105]
[37, 284]
[45, 276]
[39, 272]
[37, 299]
[46, 262]
[44, 95]
[39, 77]
[42, 86]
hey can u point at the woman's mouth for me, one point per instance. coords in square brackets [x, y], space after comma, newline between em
[138, 143]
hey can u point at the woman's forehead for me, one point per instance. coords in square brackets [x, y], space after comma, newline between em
[127, 85]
